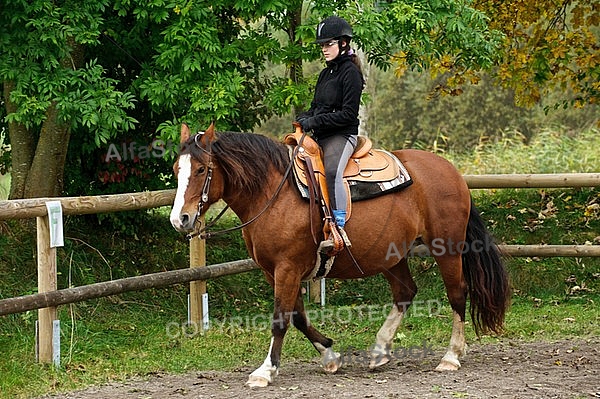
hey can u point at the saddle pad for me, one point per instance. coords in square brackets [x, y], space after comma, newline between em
[373, 180]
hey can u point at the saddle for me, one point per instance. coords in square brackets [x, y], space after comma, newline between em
[369, 172]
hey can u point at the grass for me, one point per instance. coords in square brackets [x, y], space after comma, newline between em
[138, 334]
[548, 152]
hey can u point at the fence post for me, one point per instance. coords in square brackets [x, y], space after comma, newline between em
[46, 259]
[314, 291]
[197, 288]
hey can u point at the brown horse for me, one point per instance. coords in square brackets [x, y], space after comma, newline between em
[249, 172]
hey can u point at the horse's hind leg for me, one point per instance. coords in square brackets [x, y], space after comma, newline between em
[331, 360]
[456, 287]
[404, 290]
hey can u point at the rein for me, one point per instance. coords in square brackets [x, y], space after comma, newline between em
[202, 231]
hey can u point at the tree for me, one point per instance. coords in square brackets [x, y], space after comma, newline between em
[447, 36]
[49, 89]
[86, 72]
[549, 44]
[210, 64]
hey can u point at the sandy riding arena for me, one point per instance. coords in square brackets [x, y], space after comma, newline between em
[565, 369]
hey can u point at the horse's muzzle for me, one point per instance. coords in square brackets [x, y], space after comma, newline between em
[183, 222]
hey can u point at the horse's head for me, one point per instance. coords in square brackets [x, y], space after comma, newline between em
[198, 182]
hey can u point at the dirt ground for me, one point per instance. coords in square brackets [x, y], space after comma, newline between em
[565, 369]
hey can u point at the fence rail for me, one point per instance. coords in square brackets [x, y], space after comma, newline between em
[35, 207]
[562, 180]
[180, 276]
[115, 287]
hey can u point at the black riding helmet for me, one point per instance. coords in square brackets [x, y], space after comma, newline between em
[333, 28]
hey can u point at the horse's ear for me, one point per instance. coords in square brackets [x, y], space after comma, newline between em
[185, 133]
[209, 134]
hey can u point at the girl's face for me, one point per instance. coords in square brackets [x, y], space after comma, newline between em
[331, 49]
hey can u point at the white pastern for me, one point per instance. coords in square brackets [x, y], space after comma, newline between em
[183, 179]
[330, 360]
[263, 376]
[380, 352]
[457, 348]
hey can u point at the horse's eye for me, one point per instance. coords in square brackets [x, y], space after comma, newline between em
[201, 170]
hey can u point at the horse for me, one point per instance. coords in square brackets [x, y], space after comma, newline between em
[250, 172]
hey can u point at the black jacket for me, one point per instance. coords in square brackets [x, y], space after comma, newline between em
[334, 109]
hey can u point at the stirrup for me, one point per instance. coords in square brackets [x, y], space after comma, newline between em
[347, 242]
[333, 243]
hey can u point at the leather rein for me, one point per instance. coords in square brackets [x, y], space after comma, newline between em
[203, 232]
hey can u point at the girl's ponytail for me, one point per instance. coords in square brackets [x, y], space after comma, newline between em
[356, 60]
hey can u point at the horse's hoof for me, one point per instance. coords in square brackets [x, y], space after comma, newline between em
[331, 367]
[378, 361]
[257, 382]
[331, 361]
[448, 365]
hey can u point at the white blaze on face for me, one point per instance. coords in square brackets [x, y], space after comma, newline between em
[183, 178]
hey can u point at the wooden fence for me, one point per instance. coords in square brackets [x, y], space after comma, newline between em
[48, 297]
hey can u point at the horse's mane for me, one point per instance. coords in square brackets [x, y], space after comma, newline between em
[247, 159]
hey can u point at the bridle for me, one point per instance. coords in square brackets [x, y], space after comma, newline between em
[202, 232]
[206, 185]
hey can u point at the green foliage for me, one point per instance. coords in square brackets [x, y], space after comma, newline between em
[42, 45]
[4, 152]
[207, 67]
[548, 152]
[439, 36]
[4, 186]
[286, 94]
[111, 67]
[549, 45]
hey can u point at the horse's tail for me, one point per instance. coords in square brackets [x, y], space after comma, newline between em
[486, 277]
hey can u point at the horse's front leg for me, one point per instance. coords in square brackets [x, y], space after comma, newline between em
[287, 288]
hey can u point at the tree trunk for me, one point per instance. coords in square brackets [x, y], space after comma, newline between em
[295, 67]
[363, 111]
[45, 178]
[38, 169]
[22, 148]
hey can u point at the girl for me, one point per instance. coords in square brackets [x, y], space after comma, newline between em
[333, 115]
